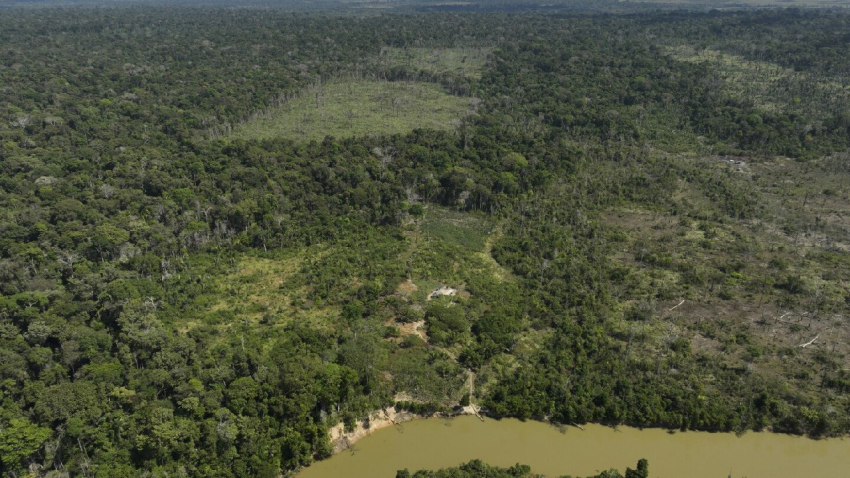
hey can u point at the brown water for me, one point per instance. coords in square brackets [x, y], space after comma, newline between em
[438, 443]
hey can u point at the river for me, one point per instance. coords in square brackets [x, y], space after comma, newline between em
[439, 443]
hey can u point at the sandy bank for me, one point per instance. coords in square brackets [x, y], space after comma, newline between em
[382, 419]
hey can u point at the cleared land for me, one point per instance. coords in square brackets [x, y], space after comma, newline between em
[261, 291]
[753, 294]
[467, 62]
[462, 229]
[358, 108]
[768, 85]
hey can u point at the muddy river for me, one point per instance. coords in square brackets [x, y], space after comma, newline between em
[438, 443]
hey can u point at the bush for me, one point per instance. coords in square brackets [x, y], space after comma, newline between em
[643, 311]
[446, 323]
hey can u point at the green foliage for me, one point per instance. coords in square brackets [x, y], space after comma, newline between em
[478, 469]
[473, 469]
[447, 323]
[19, 440]
[175, 304]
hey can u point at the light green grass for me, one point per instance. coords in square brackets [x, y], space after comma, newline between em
[463, 229]
[453, 248]
[467, 62]
[260, 290]
[358, 108]
[769, 86]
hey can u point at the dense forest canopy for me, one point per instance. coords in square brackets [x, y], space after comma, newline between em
[635, 219]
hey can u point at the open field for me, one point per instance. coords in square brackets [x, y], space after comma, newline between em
[358, 108]
[467, 62]
[463, 229]
[261, 291]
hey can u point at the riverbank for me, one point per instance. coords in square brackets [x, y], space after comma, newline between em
[380, 419]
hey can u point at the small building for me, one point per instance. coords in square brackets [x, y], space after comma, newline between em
[441, 291]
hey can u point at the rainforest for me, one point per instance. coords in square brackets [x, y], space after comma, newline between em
[231, 237]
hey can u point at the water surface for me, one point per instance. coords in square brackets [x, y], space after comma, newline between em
[439, 443]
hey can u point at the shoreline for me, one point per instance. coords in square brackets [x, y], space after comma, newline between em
[384, 418]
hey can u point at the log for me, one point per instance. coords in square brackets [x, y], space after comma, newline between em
[810, 342]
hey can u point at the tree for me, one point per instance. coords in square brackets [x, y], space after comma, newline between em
[641, 472]
[18, 442]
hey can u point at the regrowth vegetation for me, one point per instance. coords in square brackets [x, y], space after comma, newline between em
[344, 109]
[464, 62]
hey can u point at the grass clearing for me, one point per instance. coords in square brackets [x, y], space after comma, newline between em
[261, 291]
[254, 287]
[424, 289]
[358, 108]
[769, 86]
[451, 248]
[463, 229]
[467, 62]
